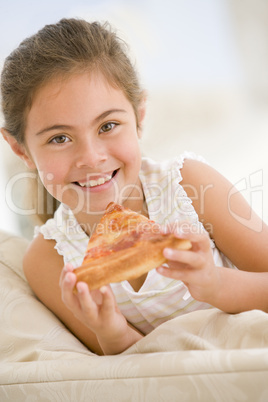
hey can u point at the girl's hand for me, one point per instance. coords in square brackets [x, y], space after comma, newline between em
[194, 267]
[96, 309]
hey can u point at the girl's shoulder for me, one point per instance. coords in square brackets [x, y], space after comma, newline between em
[236, 229]
[41, 262]
[198, 171]
[208, 189]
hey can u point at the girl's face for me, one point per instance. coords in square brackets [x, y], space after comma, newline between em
[81, 135]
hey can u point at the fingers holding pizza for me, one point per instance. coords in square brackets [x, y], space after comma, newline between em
[127, 245]
[77, 301]
[97, 310]
[195, 267]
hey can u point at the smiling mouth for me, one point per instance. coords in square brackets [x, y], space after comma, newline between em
[97, 182]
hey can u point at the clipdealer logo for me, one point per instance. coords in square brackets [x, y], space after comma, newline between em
[251, 187]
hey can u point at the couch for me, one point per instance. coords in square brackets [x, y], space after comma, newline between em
[201, 356]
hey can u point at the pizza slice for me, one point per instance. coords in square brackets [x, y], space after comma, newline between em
[124, 246]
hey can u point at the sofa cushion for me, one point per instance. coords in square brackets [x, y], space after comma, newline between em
[12, 249]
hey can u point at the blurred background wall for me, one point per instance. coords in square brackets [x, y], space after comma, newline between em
[204, 64]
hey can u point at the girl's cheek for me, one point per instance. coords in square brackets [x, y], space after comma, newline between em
[51, 175]
[52, 182]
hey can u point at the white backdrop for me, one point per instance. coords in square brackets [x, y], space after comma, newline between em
[203, 63]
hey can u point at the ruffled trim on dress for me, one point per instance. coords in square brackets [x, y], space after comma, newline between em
[157, 177]
[71, 240]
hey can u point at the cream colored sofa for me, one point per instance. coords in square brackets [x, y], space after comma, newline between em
[202, 356]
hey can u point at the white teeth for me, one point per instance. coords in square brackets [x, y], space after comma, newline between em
[101, 181]
[94, 183]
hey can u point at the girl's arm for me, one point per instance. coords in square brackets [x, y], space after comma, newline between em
[237, 231]
[228, 289]
[43, 270]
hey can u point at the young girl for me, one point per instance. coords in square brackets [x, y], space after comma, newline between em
[74, 111]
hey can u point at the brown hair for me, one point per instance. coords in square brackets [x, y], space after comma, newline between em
[70, 46]
[59, 50]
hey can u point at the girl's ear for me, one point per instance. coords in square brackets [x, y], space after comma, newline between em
[18, 149]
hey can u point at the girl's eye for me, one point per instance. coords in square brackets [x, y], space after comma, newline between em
[60, 139]
[107, 127]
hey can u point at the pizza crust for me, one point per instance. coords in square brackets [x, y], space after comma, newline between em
[128, 263]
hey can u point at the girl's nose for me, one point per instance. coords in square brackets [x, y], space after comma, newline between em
[90, 154]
